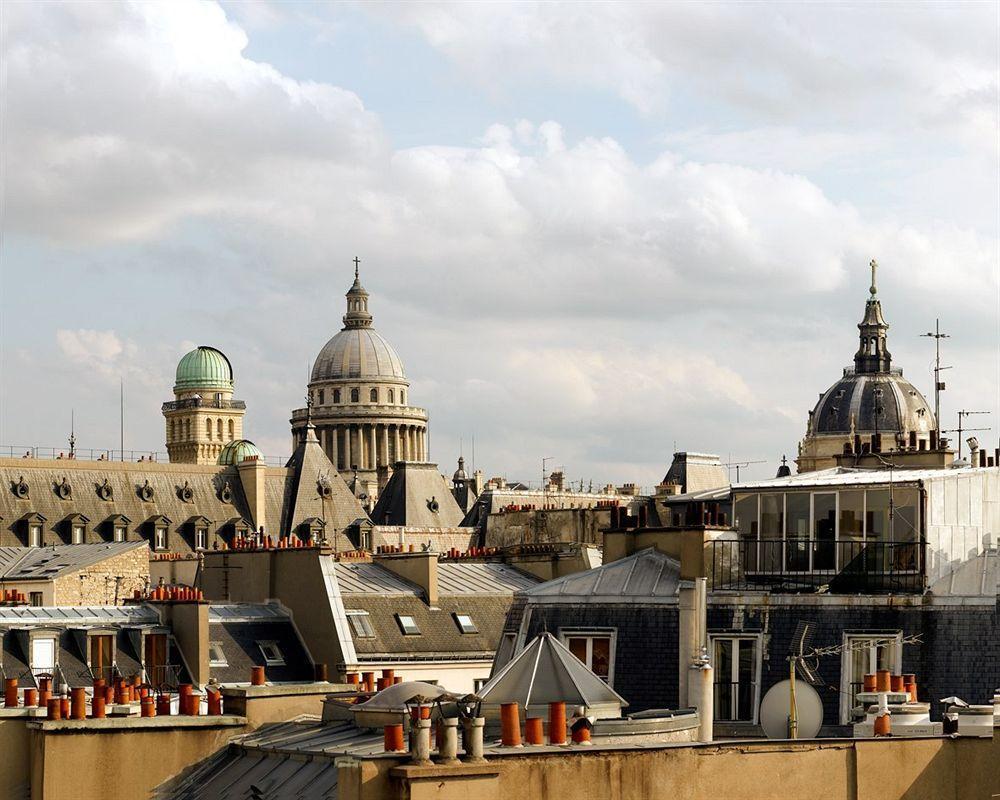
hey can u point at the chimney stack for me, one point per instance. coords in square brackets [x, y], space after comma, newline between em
[420, 568]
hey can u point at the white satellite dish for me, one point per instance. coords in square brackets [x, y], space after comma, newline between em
[776, 706]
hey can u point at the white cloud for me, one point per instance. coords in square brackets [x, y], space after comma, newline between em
[543, 289]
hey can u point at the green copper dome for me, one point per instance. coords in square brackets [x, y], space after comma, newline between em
[204, 368]
[237, 451]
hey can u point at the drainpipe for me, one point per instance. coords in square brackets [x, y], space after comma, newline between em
[692, 603]
[702, 695]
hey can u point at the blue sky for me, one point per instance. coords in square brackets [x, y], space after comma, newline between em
[592, 231]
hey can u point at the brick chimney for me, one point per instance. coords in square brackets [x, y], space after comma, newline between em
[420, 568]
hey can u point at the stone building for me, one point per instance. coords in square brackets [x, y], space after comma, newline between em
[871, 407]
[203, 417]
[360, 402]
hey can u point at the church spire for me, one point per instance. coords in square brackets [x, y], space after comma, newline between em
[872, 355]
[357, 315]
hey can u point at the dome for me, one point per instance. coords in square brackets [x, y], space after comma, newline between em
[849, 406]
[237, 451]
[357, 353]
[204, 368]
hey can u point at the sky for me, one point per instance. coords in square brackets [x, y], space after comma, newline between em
[596, 233]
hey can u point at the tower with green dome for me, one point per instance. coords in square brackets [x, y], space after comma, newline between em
[203, 417]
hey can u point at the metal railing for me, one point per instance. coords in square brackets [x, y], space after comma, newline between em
[202, 402]
[101, 454]
[842, 565]
[743, 693]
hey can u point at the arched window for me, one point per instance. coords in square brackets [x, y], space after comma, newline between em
[173, 429]
[392, 395]
[218, 429]
[402, 397]
[355, 395]
[336, 397]
[232, 430]
[373, 395]
[187, 429]
[208, 429]
[322, 397]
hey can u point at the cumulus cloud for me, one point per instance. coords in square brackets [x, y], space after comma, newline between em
[544, 289]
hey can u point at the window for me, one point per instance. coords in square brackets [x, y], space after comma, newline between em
[160, 538]
[361, 624]
[120, 533]
[465, 623]
[355, 395]
[272, 654]
[216, 655]
[735, 660]
[402, 397]
[35, 598]
[35, 536]
[78, 534]
[336, 396]
[596, 650]
[864, 654]
[102, 656]
[408, 625]
[218, 428]
[208, 429]
[200, 538]
[477, 684]
[392, 395]
[155, 658]
[373, 395]
[797, 506]
[232, 430]
[322, 396]
[43, 656]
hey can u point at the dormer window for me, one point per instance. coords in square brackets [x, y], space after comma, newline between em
[200, 538]
[408, 625]
[77, 535]
[160, 538]
[34, 535]
[120, 533]
[272, 654]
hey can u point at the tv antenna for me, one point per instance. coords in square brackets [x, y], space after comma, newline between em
[939, 386]
[737, 465]
[961, 417]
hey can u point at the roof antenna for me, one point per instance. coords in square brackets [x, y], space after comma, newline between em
[72, 433]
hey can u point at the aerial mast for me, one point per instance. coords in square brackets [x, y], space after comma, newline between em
[939, 386]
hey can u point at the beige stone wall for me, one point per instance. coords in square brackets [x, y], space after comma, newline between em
[582, 525]
[109, 582]
[886, 769]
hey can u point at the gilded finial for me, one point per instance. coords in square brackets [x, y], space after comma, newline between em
[873, 288]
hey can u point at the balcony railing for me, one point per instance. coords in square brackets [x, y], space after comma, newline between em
[846, 566]
[204, 402]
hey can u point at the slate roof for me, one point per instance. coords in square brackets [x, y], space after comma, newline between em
[302, 500]
[481, 577]
[287, 759]
[46, 563]
[238, 627]
[410, 496]
[647, 575]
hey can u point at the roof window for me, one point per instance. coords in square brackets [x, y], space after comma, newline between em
[216, 655]
[361, 624]
[272, 654]
[408, 625]
[465, 623]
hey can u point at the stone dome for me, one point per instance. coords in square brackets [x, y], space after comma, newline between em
[864, 403]
[204, 368]
[358, 353]
[239, 450]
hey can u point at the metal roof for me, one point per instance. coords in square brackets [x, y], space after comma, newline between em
[547, 672]
[41, 563]
[482, 577]
[646, 574]
[365, 578]
[61, 615]
[846, 476]
[246, 612]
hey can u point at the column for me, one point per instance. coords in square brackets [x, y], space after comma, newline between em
[412, 441]
[423, 443]
[373, 464]
[332, 435]
[385, 445]
[404, 443]
[321, 435]
[348, 448]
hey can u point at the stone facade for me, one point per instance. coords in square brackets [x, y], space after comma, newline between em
[109, 582]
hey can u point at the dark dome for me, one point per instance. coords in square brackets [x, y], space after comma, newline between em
[903, 408]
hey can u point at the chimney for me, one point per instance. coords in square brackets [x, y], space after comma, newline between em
[253, 475]
[973, 443]
[420, 568]
[189, 624]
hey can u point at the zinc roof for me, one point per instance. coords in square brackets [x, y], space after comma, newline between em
[481, 577]
[39, 563]
[364, 578]
[646, 574]
[846, 476]
[61, 615]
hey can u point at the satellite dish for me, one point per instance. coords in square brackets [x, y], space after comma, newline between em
[775, 708]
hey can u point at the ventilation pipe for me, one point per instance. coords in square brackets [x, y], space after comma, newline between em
[473, 728]
[448, 748]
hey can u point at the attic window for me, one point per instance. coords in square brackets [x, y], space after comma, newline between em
[216, 655]
[465, 623]
[272, 655]
[361, 624]
[408, 625]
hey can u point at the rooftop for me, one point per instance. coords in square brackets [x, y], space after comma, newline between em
[841, 476]
[45, 563]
